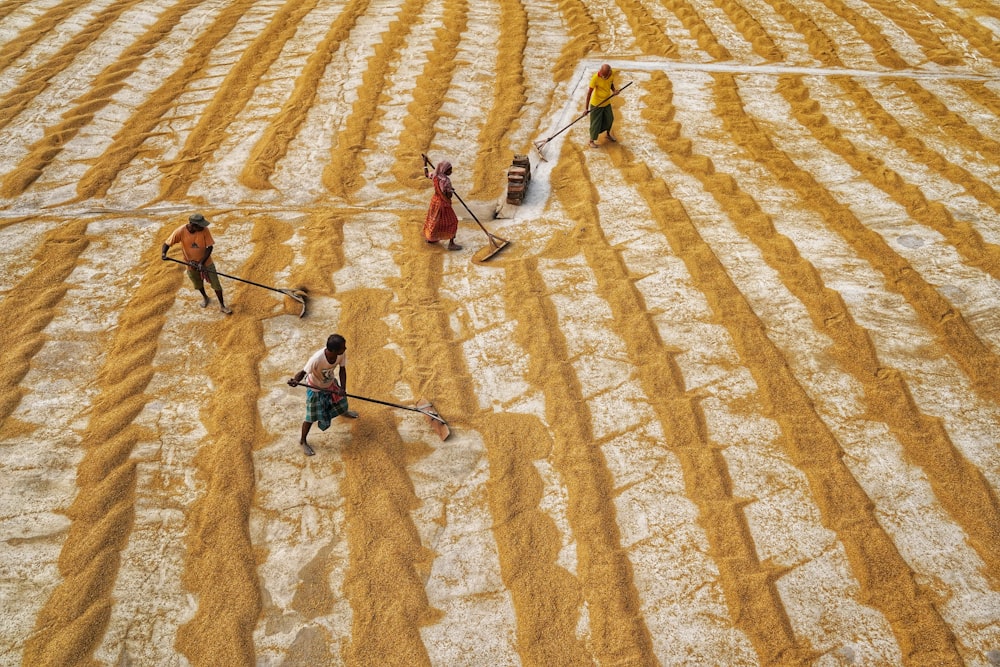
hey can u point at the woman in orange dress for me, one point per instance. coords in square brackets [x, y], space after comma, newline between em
[441, 222]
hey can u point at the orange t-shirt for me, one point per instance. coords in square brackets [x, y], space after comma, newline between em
[193, 246]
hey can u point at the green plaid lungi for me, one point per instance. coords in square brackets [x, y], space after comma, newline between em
[601, 119]
[322, 408]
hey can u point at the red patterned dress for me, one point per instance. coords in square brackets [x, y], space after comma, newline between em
[441, 222]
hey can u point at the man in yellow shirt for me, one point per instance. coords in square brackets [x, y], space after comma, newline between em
[602, 87]
[196, 246]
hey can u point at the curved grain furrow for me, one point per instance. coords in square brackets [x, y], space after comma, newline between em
[385, 580]
[142, 123]
[961, 580]
[8, 7]
[851, 48]
[383, 583]
[585, 37]
[33, 83]
[918, 30]
[981, 8]
[220, 563]
[429, 96]
[749, 585]
[103, 87]
[887, 583]
[544, 26]
[882, 50]
[721, 28]
[751, 30]
[953, 124]
[618, 630]
[648, 34]
[30, 305]
[424, 498]
[972, 99]
[820, 46]
[297, 520]
[934, 214]
[796, 164]
[342, 174]
[231, 97]
[386, 136]
[958, 485]
[698, 28]
[70, 625]
[44, 25]
[970, 30]
[509, 95]
[285, 126]
[545, 596]
[981, 94]
[976, 359]
[918, 124]
[791, 42]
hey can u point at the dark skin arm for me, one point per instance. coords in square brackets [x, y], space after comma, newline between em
[208, 253]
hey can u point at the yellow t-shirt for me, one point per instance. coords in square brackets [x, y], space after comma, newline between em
[193, 246]
[601, 88]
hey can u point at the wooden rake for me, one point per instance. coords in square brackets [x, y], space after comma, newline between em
[297, 295]
[496, 243]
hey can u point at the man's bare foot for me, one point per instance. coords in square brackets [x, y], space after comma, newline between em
[429, 241]
[352, 414]
[453, 246]
[226, 309]
[307, 449]
[592, 144]
[204, 302]
[611, 138]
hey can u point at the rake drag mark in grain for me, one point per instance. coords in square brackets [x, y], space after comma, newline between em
[86, 106]
[70, 625]
[273, 144]
[749, 585]
[886, 580]
[128, 141]
[220, 564]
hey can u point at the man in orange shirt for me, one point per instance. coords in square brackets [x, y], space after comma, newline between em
[196, 246]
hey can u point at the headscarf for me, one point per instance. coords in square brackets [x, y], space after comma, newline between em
[441, 175]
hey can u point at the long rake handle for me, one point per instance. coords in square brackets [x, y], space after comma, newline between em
[580, 117]
[242, 280]
[491, 236]
[466, 206]
[375, 400]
